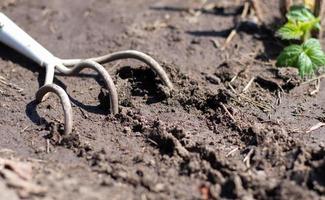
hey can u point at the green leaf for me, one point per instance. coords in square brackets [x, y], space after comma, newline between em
[290, 31]
[301, 22]
[289, 56]
[300, 13]
[314, 51]
[312, 43]
[307, 57]
[305, 65]
[310, 25]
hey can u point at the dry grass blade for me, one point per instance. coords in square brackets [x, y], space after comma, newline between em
[232, 151]
[315, 127]
[234, 31]
[258, 10]
[314, 79]
[248, 84]
[227, 111]
[11, 85]
[248, 158]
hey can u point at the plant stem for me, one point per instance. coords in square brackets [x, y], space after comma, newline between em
[306, 36]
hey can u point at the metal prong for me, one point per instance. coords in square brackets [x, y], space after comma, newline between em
[109, 84]
[154, 65]
[65, 102]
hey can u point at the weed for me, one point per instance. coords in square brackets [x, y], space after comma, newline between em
[307, 56]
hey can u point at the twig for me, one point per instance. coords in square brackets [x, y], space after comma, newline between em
[232, 89]
[232, 152]
[315, 127]
[197, 12]
[3, 81]
[229, 38]
[24, 129]
[227, 111]
[258, 10]
[153, 142]
[248, 84]
[234, 31]
[314, 79]
[248, 158]
[245, 10]
[234, 78]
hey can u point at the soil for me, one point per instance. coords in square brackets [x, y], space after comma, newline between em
[210, 138]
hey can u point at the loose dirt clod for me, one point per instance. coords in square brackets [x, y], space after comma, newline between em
[19, 175]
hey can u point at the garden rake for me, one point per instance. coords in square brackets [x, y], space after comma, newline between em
[14, 37]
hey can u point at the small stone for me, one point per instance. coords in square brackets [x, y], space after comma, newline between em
[159, 187]
[127, 130]
[213, 79]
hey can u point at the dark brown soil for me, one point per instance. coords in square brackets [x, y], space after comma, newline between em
[185, 146]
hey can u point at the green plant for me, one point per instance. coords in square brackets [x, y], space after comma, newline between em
[307, 56]
[301, 22]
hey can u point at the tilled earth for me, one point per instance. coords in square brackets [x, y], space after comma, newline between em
[235, 127]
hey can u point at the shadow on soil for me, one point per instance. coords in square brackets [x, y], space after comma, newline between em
[219, 11]
[264, 33]
[9, 54]
[272, 45]
[143, 82]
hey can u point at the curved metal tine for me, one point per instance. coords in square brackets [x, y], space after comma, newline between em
[153, 64]
[49, 77]
[65, 102]
[109, 84]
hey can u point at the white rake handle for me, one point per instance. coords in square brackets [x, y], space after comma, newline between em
[18, 39]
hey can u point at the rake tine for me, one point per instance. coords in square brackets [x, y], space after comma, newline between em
[109, 84]
[65, 102]
[154, 65]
